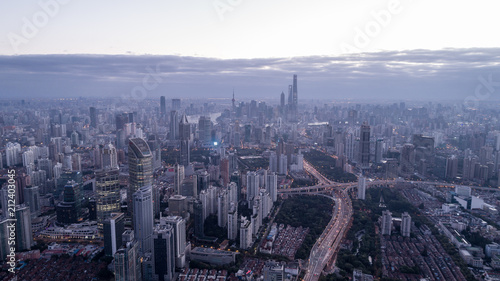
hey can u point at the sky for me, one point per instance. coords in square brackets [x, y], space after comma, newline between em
[335, 46]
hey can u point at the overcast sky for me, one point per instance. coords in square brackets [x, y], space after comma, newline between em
[408, 49]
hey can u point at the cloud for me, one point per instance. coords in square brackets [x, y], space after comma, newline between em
[449, 74]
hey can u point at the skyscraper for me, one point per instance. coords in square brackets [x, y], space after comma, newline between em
[451, 167]
[378, 151]
[407, 159]
[127, 266]
[174, 125]
[176, 104]
[224, 170]
[120, 120]
[386, 222]
[179, 231]
[282, 164]
[72, 194]
[282, 102]
[113, 228]
[24, 235]
[272, 186]
[109, 158]
[246, 232]
[295, 93]
[233, 104]
[93, 117]
[163, 106]
[108, 193]
[184, 136]
[222, 207]
[4, 199]
[12, 151]
[252, 187]
[205, 129]
[163, 252]
[199, 221]
[405, 224]
[364, 146]
[232, 221]
[140, 163]
[143, 218]
[178, 178]
[273, 162]
[4, 238]
[361, 188]
[32, 198]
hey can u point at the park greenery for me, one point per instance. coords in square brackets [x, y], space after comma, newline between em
[313, 212]
[325, 164]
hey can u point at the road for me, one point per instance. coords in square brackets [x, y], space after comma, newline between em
[328, 243]
[325, 186]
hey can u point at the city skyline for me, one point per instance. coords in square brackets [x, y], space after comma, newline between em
[451, 74]
[237, 140]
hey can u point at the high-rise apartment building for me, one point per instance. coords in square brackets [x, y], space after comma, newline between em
[272, 186]
[386, 222]
[246, 232]
[361, 188]
[405, 224]
[232, 221]
[24, 235]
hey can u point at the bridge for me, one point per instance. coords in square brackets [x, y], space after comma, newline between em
[330, 187]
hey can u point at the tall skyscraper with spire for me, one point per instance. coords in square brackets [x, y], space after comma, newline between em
[293, 100]
[295, 92]
[233, 100]
[184, 136]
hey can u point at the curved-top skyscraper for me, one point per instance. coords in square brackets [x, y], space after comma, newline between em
[140, 162]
